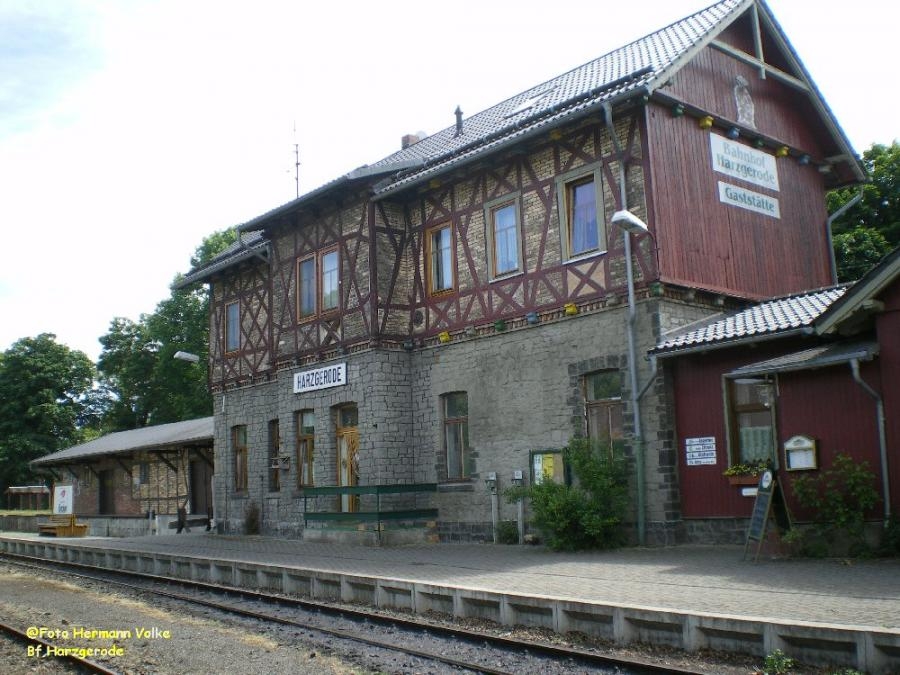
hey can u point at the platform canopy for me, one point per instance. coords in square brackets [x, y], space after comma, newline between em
[192, 432]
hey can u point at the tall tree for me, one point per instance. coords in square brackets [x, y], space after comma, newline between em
[870, 228]
[145, 383]
[45, 393]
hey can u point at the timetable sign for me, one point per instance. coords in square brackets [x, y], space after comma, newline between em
[700, 451]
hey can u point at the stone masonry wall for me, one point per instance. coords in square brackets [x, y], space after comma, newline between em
[524, 393]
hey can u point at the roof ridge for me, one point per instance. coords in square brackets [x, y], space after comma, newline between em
[573, 70]
[655, 60]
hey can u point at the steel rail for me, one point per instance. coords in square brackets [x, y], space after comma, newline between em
[81, 662]
[501, 642]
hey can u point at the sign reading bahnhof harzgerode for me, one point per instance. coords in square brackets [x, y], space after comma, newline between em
[320, 378]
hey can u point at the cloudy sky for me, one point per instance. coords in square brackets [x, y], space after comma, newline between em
[131, 129]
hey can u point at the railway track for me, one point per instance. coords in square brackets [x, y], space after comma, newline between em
[396, 633]
[39, 648]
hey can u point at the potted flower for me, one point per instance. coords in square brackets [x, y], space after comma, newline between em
[745, 474]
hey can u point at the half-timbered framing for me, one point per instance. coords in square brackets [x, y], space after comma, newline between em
[482, 261]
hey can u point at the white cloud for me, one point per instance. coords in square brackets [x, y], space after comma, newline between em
[152, 124]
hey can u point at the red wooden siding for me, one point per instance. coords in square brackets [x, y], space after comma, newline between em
[780, 111]
[824, 404]
[708, 244]
[888, 330]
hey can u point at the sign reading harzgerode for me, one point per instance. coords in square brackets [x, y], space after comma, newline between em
[740, 161]
[320, 378]
[699, 451]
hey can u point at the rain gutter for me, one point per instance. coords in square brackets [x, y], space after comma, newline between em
[882, 438]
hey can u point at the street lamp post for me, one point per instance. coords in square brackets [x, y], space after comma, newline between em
[631, 224]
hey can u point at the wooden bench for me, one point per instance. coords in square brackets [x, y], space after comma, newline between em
[63, 526]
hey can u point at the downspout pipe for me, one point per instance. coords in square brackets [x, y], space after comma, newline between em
[631, 339]
[882, 438]
[834, 216]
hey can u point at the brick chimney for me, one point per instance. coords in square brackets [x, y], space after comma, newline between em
[408, 140]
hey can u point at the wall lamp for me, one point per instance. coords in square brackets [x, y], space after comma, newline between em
[186, 356]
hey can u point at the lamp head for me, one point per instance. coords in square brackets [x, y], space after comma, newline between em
[186, 356]
[629, 222]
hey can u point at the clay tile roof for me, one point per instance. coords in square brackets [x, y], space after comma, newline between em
[772, 317]
[635, 66]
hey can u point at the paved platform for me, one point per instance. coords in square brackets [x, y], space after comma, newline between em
[845, 612]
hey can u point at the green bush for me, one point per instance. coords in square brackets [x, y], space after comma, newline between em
[778, 663]
[840, 498]
[508, 532]
[587, 514]
[890, 538]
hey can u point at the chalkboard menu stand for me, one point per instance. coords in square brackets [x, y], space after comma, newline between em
[768, 496]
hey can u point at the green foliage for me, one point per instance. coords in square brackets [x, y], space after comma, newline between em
[778, 663]
[143, 383]
[839, 498]
[879, 211]
[890, 538]
[45, 393]
[508, 532]
[587, 514]
[751, 469]
[212, 246]
[858, 251]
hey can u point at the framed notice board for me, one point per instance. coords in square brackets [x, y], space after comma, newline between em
[769, 502]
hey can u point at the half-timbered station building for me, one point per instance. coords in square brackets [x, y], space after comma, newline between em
[122, 481]
[452, 314]
[793, 383]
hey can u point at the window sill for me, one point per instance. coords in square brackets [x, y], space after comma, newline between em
[506, 276]
[461, 485]
[581, 257]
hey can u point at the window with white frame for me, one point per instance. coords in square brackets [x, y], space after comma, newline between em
[580, 210]
[330, 281]
[439, 258]
[503, 236]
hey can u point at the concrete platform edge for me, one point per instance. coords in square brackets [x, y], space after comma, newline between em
[869, 649]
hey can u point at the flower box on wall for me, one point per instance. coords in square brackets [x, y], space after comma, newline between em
[743, 480]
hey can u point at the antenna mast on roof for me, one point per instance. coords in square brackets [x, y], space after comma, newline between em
[296, 161]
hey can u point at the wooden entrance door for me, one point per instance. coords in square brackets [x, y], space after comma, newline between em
[348, 455]
[201, 487]
[107, 492]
